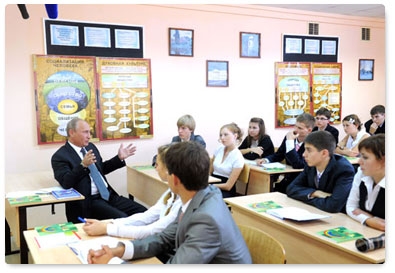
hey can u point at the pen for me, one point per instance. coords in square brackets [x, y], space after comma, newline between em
[81, 219]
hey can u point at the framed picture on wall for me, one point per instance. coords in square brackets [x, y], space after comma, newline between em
[181, 42]
[250, 45]
[366, 70]
[217, 73]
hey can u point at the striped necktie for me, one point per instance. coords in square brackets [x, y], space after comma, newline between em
[98, 179]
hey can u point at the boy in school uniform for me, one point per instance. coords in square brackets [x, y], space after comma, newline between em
[327, 177]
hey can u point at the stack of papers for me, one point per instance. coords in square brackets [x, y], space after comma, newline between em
[294, 213]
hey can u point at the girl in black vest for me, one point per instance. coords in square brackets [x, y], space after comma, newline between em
[366, 202]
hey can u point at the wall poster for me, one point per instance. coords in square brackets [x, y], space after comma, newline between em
[292, 81]
[112, 94]
[125, 98]
[326, 88]
[65, 87]
[306, 87]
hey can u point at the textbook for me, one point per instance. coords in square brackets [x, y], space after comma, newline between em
[274, 166]
[24, 199]
[264, 206]
[296, 214]
[341, 234]
[81, 248]
[65, 193]
[56, 228]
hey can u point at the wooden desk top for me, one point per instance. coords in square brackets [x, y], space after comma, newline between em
[151, 172]
[63, 254]
[311, 228]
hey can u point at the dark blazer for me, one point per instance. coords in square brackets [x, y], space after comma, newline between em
[331, 130]
[69, 172]
[380, 130]
[193, 137]
[266, 143]
[336, 179]
[207, 234]
[293, 158]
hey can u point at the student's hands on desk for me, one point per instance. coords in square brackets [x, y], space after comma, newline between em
[320, 194]
[104, 255]
[95, 227]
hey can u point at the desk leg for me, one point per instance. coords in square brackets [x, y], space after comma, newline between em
[22, 227]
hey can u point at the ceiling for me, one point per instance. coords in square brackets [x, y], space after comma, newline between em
[364, 10]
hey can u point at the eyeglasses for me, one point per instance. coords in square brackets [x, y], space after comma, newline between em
[321, 119]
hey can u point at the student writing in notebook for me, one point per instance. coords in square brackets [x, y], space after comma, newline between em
[140, 225]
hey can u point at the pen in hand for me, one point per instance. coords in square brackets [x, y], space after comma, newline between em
[82, 219]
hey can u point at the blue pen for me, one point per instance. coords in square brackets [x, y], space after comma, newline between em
[81, 219]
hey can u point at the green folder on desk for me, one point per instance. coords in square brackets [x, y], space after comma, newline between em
[144, 167]
[341, 234]
[24, 199]
[264, 206]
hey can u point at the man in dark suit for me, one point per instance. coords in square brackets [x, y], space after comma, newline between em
[291, 149]
[327, 179]
[71, 169]
[376, 125]
[204, 232]
[322, 118]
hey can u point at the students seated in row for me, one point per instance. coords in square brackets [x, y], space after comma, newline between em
[291, 149]
[352, 126]
[322, 119]
[327, 178]
[141, 225]
[257, 143]
[205, 231]
[78, 163]
[376, 125]
[186, 132]
[228, 162]
[366, 202]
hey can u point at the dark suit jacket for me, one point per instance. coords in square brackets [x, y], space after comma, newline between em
[194, 137]
[69, 172]
[336, 179]
[380, 130]
[293, 158]
[331, 130]
[206, 234]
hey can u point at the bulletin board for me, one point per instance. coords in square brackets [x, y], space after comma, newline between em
[310, 48]
[292, 92]
[306, 87]
[92, 39]
[113, 95]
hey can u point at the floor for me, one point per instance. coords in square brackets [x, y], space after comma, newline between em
[15, 258]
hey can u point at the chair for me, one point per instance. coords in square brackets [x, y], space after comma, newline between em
[264, 248]
[245, 176]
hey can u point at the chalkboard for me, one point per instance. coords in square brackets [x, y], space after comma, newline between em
[93, 39]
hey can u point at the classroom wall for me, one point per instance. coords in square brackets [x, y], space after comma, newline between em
[179, 83]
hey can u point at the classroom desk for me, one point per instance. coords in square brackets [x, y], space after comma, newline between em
[300, 239]
[144, 183]
[16, 215]
[261, 181]
[63, 254]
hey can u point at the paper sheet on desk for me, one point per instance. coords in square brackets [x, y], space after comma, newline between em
[82, 248]
[294, 213]
[273, 166]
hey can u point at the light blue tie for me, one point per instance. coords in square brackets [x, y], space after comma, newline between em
[98, 179]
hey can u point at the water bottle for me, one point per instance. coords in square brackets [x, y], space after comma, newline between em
[368, 244]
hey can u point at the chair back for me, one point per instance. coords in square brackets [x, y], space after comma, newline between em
[264, 248]
[244, 176]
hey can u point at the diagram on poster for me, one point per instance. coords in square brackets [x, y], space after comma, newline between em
[65, 87]
[125, 98]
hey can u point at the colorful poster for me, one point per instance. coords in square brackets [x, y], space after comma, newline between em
[65, 87]
[326, 88]
[124, 98]
[292, 92]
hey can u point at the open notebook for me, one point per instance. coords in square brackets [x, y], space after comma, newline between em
[296, 214]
